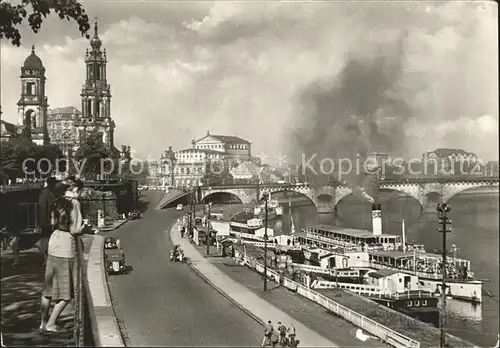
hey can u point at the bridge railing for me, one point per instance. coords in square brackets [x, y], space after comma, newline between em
[389, 181]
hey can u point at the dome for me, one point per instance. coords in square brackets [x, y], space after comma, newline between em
[95, 42]
[33, 61]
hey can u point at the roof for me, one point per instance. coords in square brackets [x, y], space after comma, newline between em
[64, 110]
[382, 273]
[225, 139]
[445, 152]
[231, 139]
[246, 168]
[394, 254]
[200, 150]
[326, 256]
[8, 129]
[347, 231]
[33, 61]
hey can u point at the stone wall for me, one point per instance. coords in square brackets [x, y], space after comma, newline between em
[94, 200]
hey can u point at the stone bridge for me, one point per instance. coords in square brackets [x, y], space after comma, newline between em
[325, 198]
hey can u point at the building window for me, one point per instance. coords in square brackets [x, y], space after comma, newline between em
[30, 88]
[187, 170]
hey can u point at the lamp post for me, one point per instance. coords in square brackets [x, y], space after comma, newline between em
[266, 196]
[443, 209]
[208, 227]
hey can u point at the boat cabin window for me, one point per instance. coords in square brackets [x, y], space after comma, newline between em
[409, 303]
[424, 302]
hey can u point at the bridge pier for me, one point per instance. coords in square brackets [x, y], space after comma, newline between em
[326, 212]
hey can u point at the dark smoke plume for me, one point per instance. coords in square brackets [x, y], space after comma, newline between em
[358, 112]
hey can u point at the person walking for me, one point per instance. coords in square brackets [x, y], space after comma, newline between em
[46, 199]
[282, 332]
[60, 270]
[292, 334]
[268, 334]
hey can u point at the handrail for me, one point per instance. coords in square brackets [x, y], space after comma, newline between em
[79, 326]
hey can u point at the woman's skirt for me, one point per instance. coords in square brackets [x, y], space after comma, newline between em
[60, 278]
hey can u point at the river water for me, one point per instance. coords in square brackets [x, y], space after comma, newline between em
[475, 231]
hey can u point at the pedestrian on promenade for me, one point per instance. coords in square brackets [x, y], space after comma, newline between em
[46, 199]
[60, 271]
[292, 334]
[282, 331]
[268, 334]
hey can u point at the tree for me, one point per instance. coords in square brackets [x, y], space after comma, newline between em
[13, 15]
[93, 156]
[49, 156]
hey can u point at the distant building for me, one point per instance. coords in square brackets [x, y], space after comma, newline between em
[246, 171]
[61, 128]
[9, 131]
[444, 161]
[491, 169]
[233, 148]
[190, 165]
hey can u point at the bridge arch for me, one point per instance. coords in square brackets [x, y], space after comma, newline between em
[219, 196]
[296, 192]
[450, 190]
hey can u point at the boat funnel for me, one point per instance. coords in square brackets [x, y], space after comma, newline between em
[377, 219]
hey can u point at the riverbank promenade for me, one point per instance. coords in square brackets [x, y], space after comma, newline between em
[275, 305]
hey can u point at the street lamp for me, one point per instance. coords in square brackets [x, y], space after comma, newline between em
[208, 227]
[443, 209]
[265, 196]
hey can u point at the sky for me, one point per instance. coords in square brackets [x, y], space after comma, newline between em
[259, 70]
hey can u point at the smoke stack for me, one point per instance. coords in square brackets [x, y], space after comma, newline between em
[377, 219]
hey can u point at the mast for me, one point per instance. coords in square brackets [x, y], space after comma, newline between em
[403, 231]
[292, 227]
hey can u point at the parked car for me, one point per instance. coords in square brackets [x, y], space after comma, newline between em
[134, 215]
[179, 207]
[114, 256]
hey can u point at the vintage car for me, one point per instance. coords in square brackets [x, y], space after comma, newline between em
[114, 256]
[134, 215]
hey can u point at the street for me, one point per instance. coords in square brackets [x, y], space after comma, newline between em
[165, 303]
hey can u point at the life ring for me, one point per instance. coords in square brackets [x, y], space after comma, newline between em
[344, 262]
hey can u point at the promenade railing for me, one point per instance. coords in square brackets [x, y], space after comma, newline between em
[80, 296]
[386, 334]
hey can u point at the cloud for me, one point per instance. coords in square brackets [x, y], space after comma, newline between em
[178, 69]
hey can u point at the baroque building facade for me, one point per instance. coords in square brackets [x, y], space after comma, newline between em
[188, 167]
[61, 128]
[96, 97]
[33, 104]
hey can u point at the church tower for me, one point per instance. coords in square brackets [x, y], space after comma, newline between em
[96, 96]
[32, 106]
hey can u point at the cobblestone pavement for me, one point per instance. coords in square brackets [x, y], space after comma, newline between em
[21, 286]
[310, 314]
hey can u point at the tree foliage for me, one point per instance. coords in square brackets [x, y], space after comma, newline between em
[93, 156]
[20, 155]
[11, 16]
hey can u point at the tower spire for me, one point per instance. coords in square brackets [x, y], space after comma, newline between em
[32, 48]
[96, 28]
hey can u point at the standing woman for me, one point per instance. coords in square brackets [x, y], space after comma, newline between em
[60, 271]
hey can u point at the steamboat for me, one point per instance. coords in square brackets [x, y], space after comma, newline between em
[332, 247]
